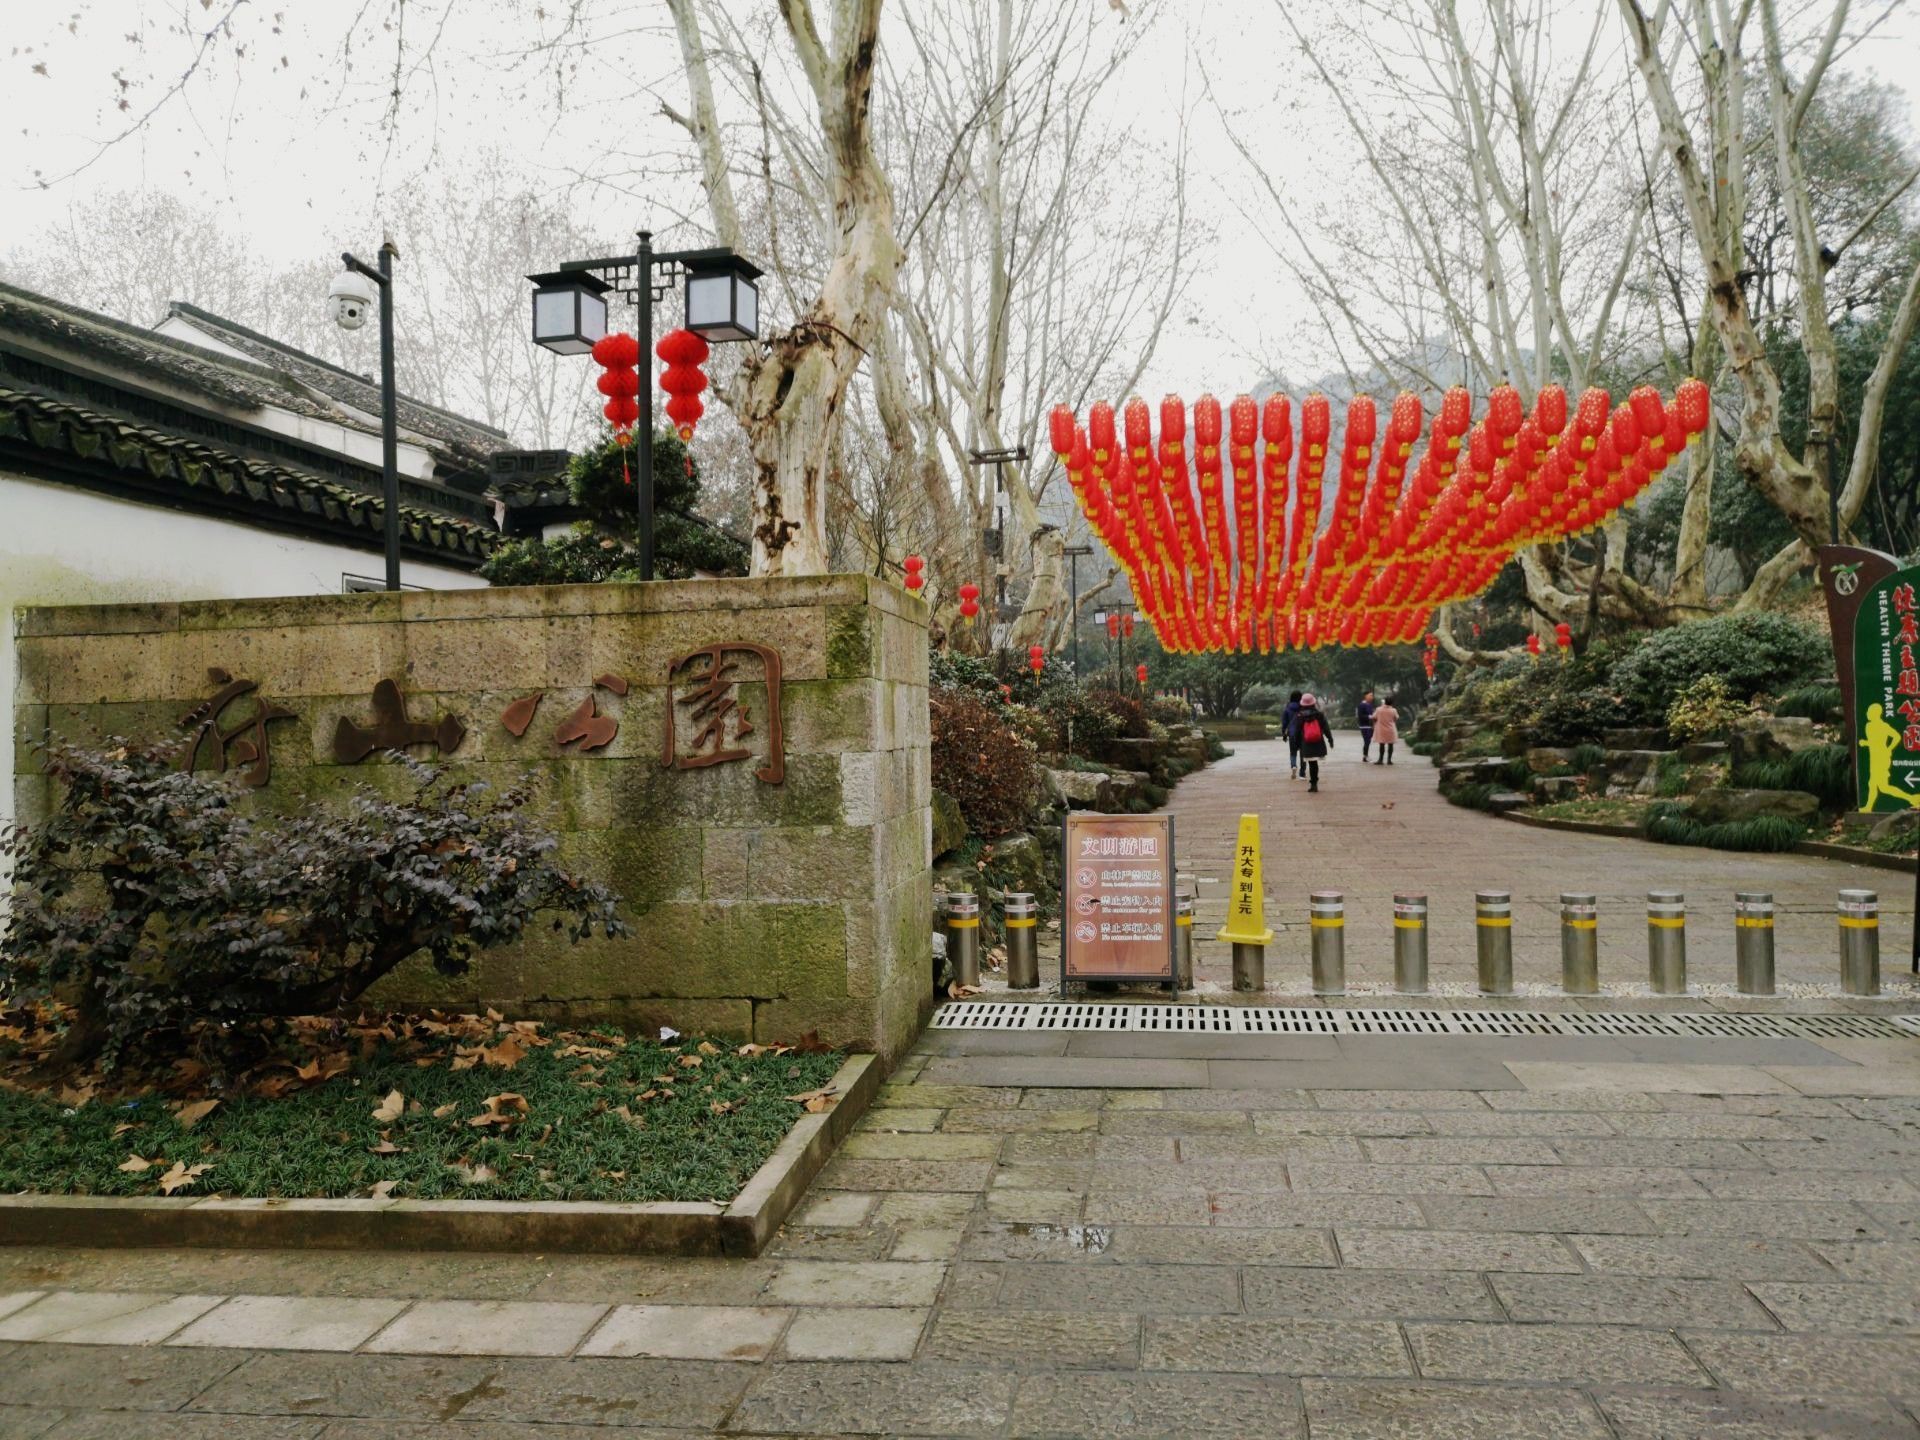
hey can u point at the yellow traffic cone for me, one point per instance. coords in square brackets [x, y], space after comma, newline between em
[1247, 907]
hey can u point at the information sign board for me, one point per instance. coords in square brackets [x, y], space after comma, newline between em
[1116, 920]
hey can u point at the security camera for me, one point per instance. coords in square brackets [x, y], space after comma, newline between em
[351, 297]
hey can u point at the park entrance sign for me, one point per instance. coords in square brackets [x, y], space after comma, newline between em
[1886, 693]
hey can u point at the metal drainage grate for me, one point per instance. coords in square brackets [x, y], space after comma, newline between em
[1281, 1020]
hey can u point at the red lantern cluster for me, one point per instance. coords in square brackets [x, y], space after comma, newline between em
[1037, 658]
[913, 565]
[617, 355]
[1533, 647]
[1113, 625]
[684, 353]
[1140, 674]
[1563, 636]
[969, 600]
[1409, 527]
[1430, 654]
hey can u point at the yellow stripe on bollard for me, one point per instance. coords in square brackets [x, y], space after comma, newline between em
[1320, 924]
[954, 923]
[1667, 922]
[1583, 924]
[1849, 922]
[1399, 924]
[1183, 919]
[1742, 922]
[1019, 924]
[1502, 921]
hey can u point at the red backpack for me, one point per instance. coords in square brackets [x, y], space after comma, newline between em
[1310, 730]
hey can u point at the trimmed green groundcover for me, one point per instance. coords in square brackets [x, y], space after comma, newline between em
[605, 1118]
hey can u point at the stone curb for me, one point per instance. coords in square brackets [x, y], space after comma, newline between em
[1817, 848]
[741, 1228]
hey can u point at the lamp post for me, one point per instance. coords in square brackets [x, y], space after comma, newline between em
[570, 314]
[349, 312]
[1073, 554]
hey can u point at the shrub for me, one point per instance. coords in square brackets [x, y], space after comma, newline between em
[1170, 710]
[1566, 716]
[1588, 757]
[1080, 721]
[1818, 703]
[982, 761]
[1822, 770]
[1129, 710]
[1751, 653]
[1670, 825]
[1704, 708]
[950, 670]
[153, 904]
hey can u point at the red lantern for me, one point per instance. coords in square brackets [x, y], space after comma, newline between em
[1563, 635]
[1533, 646]
[1113, 626]
[1037, 658]
[1126, 626]
[684, 352]
[913, 565]
[969, 600]
[1140, 673]
[617, 354]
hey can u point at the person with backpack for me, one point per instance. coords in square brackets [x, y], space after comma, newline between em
[1314, 738]
[1286, 729]
[1364, 714]
[1386, 729]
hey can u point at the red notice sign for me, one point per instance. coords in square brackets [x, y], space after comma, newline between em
[1116, 920]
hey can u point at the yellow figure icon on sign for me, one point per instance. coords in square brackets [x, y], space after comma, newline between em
[1247, 906]
[1880, 743]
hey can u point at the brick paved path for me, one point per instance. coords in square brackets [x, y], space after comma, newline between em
[1713, 1239]
[1376, 830]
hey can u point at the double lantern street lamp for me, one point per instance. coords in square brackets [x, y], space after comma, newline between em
[570, 314]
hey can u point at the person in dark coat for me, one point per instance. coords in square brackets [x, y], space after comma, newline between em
[1363, 713]
[1286, 729]
[1313, 736]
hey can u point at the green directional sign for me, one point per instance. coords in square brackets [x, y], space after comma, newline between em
[1886, 692]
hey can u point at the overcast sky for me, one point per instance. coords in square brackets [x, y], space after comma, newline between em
[292, 140]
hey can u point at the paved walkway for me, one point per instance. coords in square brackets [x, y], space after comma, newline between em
[1372, 831]
[1712, 1239]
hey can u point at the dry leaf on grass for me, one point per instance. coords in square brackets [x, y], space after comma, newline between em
[134, 1165]
[189, 1116]
[506, 1108]
[691, 1062]
[386, 1146]
[627, 1115]
[724, 1107]
[474, 1174]
[440, 1112]
[391, 1108]
[751, 1051]
[181, 1176]
[381, 1189]
[123, 1127]
[815, 1101]
[707, 1047]
[74, 1097]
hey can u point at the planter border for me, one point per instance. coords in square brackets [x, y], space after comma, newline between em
[740, 1228]
[1820, 849]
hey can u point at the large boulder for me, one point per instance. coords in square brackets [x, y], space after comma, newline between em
[1705, 752]
[1551, 789]
[1771, 737]
[1544, 759]
[1718, 807]
[1458, 773]
[949, 825]
[1125, 754]
[1633, 772]
[1900, 823]
[1502, 801]
[1074, 789]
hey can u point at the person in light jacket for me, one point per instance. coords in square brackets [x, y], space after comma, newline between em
[1313, 734]
[1386, 730]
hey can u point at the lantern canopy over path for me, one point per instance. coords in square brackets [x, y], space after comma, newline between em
[1406, 533]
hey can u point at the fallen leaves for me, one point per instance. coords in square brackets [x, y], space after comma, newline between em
[815, 1101]
[381, 1189]
[391, 1108]
[504, 1109]
[474, 1174]
[188, 1115]
[181, 1176]
[134, 1165]
[386, 1145]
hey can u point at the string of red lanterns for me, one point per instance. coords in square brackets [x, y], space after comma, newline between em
[617, 355]
[683, 380]
[1405, 533]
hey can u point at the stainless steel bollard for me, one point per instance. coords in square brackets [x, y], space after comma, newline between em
[1580, 944]
[1859, 942]
[1667, 942]
[1249, 968]
[1327, 915]
[1183, 942]
[1410, 944]
[1023, 935]
[1753, 941]
[1493, 922]
[963, 936]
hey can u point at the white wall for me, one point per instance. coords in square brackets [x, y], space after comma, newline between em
[62, 546]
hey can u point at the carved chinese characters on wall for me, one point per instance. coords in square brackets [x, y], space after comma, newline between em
[392, 730]
[709, 720]
[243, 742]
[587, 724]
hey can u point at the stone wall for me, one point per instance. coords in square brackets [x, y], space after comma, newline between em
[759, 909]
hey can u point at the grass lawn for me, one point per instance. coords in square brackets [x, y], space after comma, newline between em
[1600, 809]
[577, 1115]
